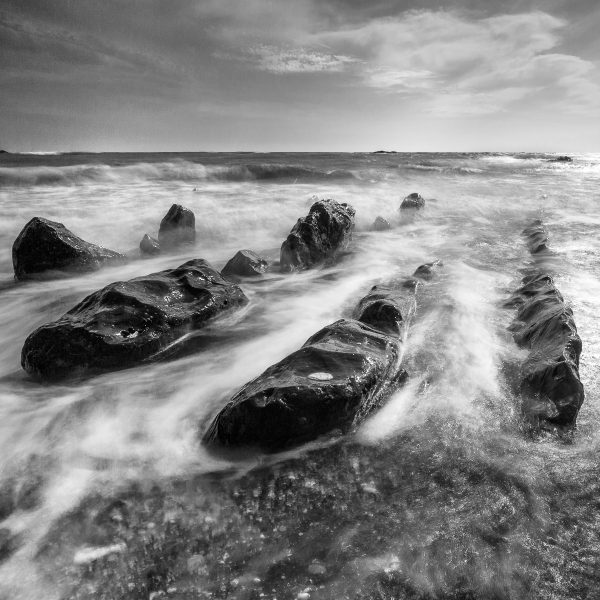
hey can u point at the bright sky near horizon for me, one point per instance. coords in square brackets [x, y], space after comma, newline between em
[300, 75]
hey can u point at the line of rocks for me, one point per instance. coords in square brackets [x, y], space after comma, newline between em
[544, 324]
[338, 377]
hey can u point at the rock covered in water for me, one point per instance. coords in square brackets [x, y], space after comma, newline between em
[286, 405]
[380, 224]
[338, 377]
[536, 237]
[149, 245]
[413, 201]
[177, 227]
[45, 246]
[427, 271]
[562, 158]
[544, 324]
[245, 264]
[129, 322]
[326, 230]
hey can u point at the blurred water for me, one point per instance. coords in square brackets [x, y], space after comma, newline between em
[439, 493]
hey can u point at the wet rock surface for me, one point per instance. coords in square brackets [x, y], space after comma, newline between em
[149, 245]
[413, 201]
[319, 236]
[129, 322]
[46, 248]
[380, 224]
[177, 227]
[545, 325]
[245, 264]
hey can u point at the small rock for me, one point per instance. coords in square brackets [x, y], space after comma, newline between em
[149, 245]
[177, 227]
[413, 201]
[380, 224]
[245, 264]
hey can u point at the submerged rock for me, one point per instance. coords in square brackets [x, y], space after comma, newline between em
[380, 224]
[413, 201]
[536, 237]
[177, 227]
[562, 158]
[129, 322]
[44, 247]
[149, 245]
[245, 264]
[338, 377]
[427, 271]
[326, 230]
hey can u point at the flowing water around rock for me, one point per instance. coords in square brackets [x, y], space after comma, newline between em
[106, 491]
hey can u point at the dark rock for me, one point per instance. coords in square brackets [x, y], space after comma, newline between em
[8, 543]
[177, 227]
[4, 152]
[149, 245]
[427, 271]
[338, 375]
[413, 201]
[380, 224]
[544, 325]
[561, 159]
[45, 246]
[536, 237]
[129, 322]
[245, 264]
[319, 236]
[388, 308]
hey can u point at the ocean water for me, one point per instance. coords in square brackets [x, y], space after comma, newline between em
[106, 491]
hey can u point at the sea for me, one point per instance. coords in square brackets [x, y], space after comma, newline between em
[106, 490]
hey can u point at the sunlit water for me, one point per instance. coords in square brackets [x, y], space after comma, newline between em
[441, 494]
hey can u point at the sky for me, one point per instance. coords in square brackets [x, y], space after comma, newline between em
[300, 75]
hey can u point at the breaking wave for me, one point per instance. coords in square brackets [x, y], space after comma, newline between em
[165, 171]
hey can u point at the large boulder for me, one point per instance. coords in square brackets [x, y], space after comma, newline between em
[319, 236]
[177, 227]
[339, 373]
[380, 224]
[129, 322]
[149, 245]
[245, 264]
[413, 201]
[545, 326]
[46, 248]
[337, 378]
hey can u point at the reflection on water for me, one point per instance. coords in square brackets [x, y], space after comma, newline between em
[106, 493]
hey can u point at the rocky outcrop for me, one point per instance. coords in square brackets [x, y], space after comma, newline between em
[338, 377]
[380, 224]
[413, 201]
[319, 236]
[47, 248]
[177, 227]
[130, 322]
[544, 324]
[245, 264]
[149, 245]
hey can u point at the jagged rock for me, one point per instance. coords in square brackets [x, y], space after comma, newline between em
[338, 377]
[245, 264]
[129, 322]
[414, 201]
[380, 224]
[544, 324]
[149, 245]
[177, 227]
[319, 236]
[46, 248]
[536, 237]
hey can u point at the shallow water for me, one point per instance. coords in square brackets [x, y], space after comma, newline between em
[442, 493]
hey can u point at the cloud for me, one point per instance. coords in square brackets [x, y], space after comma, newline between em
[296, 60]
